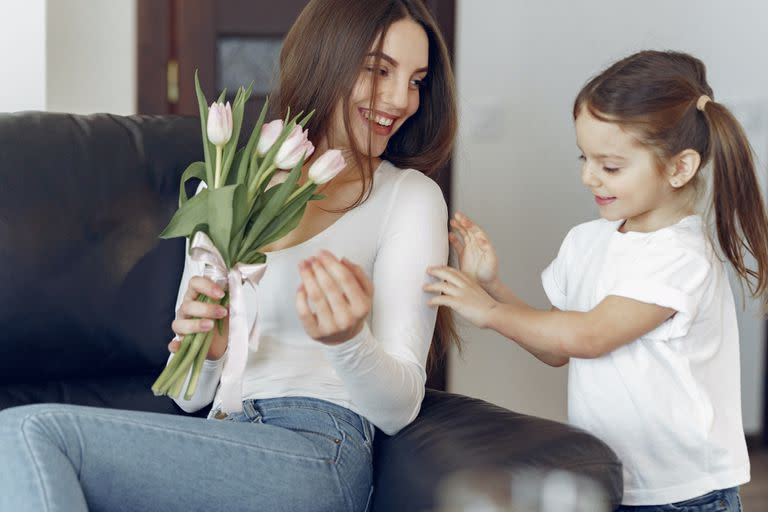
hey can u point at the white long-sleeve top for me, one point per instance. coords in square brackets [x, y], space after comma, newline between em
[399, 231]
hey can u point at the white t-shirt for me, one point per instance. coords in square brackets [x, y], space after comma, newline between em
[399, 231]
[668, 403]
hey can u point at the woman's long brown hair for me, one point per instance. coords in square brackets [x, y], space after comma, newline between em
[655, 94]
[322, 57]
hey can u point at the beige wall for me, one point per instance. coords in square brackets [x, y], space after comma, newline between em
[519, 66]
[23, 68]
[91, 50]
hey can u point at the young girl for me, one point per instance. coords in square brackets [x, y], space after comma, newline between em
[339, 351]
[642, 307]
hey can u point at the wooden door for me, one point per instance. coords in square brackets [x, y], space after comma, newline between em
[230, 43]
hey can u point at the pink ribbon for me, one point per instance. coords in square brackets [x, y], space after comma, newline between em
[202, 250]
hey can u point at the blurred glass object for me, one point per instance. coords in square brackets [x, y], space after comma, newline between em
[493, 490]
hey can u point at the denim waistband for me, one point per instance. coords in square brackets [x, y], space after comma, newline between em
[261, 406]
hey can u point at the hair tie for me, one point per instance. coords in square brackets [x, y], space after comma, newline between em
[702, 102]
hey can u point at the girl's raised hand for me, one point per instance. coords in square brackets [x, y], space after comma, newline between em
[477, 257]
[341, 293]
[461, 293]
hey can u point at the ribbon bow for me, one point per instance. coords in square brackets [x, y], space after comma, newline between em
[202, 250]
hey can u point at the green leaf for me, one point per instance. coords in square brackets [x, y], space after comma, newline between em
[273, 206]
[254, 256]
[237, 123]
[194, 170]
[200, 227]
[221, 217]
[284, 216]
[240, 218]
[188, 216]
[239, 157]
[306, 119]
[250, 148]
[261, 201]
[282, 224]
[222, 96]
[208, 148]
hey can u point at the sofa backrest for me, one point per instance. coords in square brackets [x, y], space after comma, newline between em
[87, 288]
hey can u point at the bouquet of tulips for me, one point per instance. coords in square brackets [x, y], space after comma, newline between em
[230, 220]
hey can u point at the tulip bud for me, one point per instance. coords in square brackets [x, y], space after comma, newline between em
[325, 168]
[270, 132]
[296, 146]
[219, 123]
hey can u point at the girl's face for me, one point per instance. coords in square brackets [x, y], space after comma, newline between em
[401, 70]
[624, 176]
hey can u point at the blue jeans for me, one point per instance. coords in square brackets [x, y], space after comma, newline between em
[281, 454]
[724, 500]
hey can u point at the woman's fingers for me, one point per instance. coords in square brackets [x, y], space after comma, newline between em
[200, 285]
[183, 326]
[308, 319]
[174, 345]
[334, 296]
[340, 293]
[362, 278]
[197, 309]
[316, 295]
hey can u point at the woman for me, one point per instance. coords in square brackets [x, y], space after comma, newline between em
[343, 346]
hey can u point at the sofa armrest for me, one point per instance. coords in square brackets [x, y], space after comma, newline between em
[455, 432]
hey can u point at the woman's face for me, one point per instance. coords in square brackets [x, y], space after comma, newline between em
[401, 70]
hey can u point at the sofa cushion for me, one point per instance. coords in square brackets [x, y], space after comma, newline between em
[88, 288]
[455, 432]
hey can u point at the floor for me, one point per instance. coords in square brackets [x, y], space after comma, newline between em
[754, 495]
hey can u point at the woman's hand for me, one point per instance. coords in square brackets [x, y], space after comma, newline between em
[477, 257]
[341, 293]
[461, 293]
[196, 316]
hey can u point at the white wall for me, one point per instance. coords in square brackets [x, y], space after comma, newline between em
[23, 68]
[91, 56]
[75, 56]
[519, 66]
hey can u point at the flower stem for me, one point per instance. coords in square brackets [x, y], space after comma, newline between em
[217, 177]
[299, 190]
[180, 373]
[194, 348]
[198, 365]
[162, 383]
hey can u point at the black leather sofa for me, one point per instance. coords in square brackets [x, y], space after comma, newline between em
[87, 293]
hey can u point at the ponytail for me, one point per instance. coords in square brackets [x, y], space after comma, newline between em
[739, 211]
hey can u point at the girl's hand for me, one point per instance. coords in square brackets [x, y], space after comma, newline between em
[196, 316]
[477, 257]
[461, 293]
[341, 293]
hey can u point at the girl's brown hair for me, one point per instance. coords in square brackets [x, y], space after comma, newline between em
[655, 94]
[322, 57]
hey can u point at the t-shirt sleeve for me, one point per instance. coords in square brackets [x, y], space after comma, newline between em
[555, 276]
[670, 276]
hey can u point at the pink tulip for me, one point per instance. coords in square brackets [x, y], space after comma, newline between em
[219, 123]
[296, 146]
[325, 168]
[270, 132]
